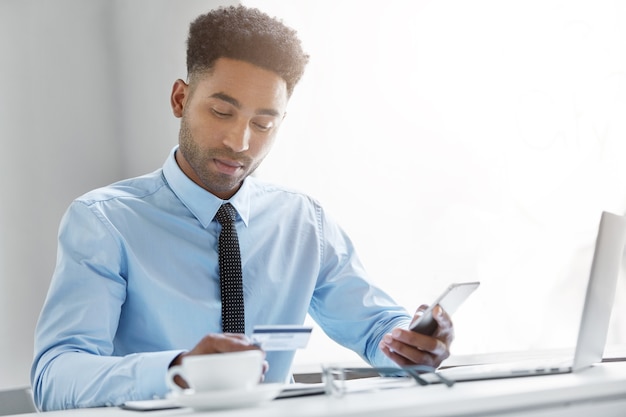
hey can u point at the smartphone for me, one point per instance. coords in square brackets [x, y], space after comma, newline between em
[449, 300]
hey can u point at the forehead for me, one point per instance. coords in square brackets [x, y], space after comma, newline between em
[251, 86]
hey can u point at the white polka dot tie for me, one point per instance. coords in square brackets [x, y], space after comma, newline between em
[233, 320]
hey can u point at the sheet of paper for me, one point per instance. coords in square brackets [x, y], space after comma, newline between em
[149, 405]
[297, 389]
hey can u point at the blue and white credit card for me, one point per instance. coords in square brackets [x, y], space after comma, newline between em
[281, 337]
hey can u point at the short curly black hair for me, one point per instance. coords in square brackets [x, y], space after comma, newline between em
[249, 35]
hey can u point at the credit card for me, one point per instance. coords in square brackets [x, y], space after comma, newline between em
[281, 337]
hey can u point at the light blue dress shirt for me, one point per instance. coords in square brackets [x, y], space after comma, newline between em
[137, 282]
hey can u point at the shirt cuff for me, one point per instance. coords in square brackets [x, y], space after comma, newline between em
[151, 373]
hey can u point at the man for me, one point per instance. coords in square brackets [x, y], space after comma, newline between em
[137, 282]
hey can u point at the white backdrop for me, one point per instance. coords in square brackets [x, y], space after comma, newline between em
[491, 132]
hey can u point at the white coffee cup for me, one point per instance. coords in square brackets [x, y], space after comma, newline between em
[218, 371]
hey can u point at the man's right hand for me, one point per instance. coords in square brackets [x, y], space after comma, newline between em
[217, 343]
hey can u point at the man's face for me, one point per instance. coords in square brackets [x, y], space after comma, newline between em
[229, 119]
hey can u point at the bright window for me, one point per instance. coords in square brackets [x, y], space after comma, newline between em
[492, 134]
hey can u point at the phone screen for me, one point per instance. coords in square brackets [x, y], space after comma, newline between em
[450, 300]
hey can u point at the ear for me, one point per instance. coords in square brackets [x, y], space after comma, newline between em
[179, 97]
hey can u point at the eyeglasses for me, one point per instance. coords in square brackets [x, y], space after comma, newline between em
[335, 378]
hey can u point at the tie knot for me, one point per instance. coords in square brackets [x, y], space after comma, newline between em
[226, 214]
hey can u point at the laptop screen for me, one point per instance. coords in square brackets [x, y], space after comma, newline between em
[600, 293]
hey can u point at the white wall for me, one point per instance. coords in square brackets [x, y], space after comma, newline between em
[84, 101]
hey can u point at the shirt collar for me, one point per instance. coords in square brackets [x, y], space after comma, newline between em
[202, 204]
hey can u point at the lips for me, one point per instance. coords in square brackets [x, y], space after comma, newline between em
[227, 166]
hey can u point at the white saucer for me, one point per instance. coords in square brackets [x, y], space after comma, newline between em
[211, 400]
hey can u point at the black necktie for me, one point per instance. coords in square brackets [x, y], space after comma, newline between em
[231, 285]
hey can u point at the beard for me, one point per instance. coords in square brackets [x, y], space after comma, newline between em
[202, 162]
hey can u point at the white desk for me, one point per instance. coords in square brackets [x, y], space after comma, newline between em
[600, 390]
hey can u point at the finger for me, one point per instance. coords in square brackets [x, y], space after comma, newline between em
[442, 318]
[402, 338]
[222, 343]
[445, 328]
[401, 358]
[266, 367]
[416, 348]
[420, 310]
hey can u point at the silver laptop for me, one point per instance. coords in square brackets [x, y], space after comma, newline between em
[594, 323]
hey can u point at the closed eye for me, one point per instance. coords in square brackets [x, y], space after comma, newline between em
[263, 127]
[220, 114]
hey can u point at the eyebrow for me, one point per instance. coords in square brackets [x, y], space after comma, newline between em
[237, 104]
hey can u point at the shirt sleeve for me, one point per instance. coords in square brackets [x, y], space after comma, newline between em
[349, 308]
[75, 363]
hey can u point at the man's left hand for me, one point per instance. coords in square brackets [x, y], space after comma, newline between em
[405, 347]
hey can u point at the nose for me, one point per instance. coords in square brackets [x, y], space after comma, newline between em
[238, 139]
